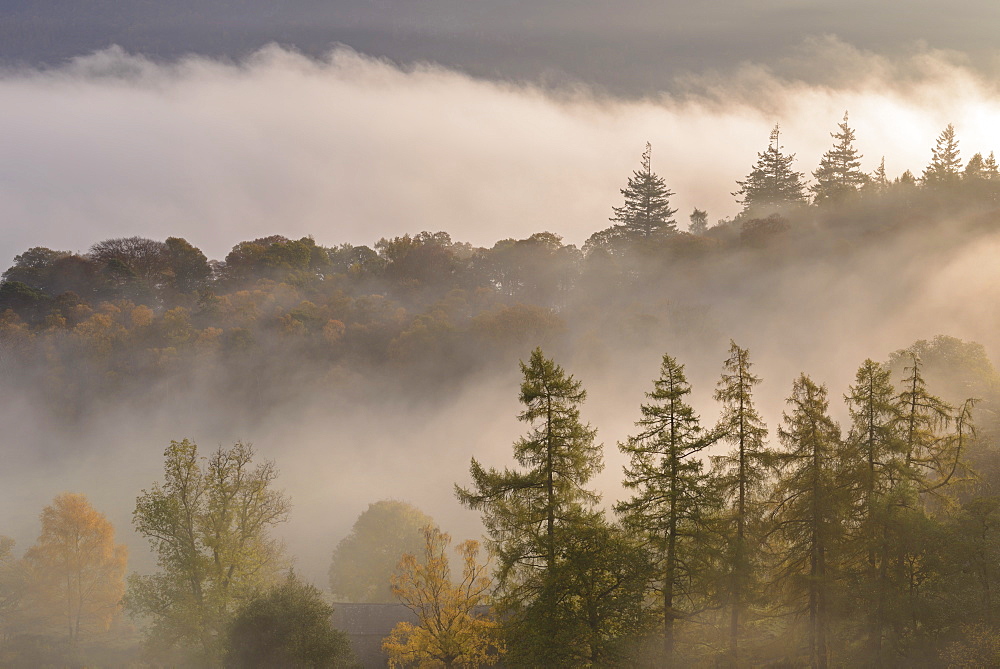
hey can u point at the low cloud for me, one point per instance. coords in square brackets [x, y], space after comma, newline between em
[350, 148]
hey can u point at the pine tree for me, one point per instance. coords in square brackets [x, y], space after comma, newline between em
[839, 173]
[809, 507]
[772, 183]
[990, 168]
[878, 181]
[646, 212]
[699, 222]
[670, 503]
[945, 166]
[525, 511]
[975, 168]
[740, 478]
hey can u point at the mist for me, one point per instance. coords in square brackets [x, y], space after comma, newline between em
[351, 149]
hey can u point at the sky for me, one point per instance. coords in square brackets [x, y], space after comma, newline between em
[350, 148]
[351, 121]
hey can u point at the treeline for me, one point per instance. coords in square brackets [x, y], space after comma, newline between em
[801, 544]
[808, 543]
[277, 315]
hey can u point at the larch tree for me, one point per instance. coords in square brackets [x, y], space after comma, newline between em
[873, 453]
[839, 173]
[453, 628]
[524, 510]
[772, 183]
[809, 505]
[76, 575]
[669, 506]
[945, 168]
[208, 524]
[740, 477]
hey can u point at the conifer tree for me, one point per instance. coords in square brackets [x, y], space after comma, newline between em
[809, 505]
[699, 222]
[526, 511]
[839, 173]
[646, 212]
[990, 167]
[772, 183]
[945, 166]
[975, 168]
[740, 478]
[878, 181]
[873, 454]
[670, 503]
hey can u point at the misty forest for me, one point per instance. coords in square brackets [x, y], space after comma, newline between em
[682, 444]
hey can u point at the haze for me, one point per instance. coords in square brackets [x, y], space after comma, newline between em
[348, 122]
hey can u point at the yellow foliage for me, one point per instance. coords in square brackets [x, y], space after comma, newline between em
[77, 571]
[141, 316]
[451, 633]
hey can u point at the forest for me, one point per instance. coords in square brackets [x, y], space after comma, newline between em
[859, 526]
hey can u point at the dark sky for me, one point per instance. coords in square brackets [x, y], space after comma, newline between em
[630, 48]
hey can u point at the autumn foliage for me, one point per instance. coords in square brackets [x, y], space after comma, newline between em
[453, 630]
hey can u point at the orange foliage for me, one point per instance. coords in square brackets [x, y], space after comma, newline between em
[77, 571]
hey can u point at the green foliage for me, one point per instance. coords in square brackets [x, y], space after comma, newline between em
[945, 167]
[809, 508]
[740, 477]
[526, 512]
[364, 561]
[521, 509]
[286, 626]
[208, 524]
[672, 499]
[771, 184]
[839, 173]
[646, 211]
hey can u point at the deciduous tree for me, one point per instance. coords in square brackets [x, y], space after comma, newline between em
[453, 630]
[288, 626]
[364, 561]
[208, 524]
[76, 570]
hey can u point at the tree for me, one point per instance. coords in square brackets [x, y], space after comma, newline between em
[669, 506]
[144, 259]
[187, 267]
[453, 629]
[592, 608]
[76, 570]
[524, 510]
[809, 508]
[364, 561]
[208, 525]
[945, 167]
[873, 454]
[646, 212]
[740, 476]
[839, 173]
[771, 184]
[699, 222]
[288, 625]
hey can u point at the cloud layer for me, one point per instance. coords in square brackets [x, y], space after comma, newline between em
[350, 149]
